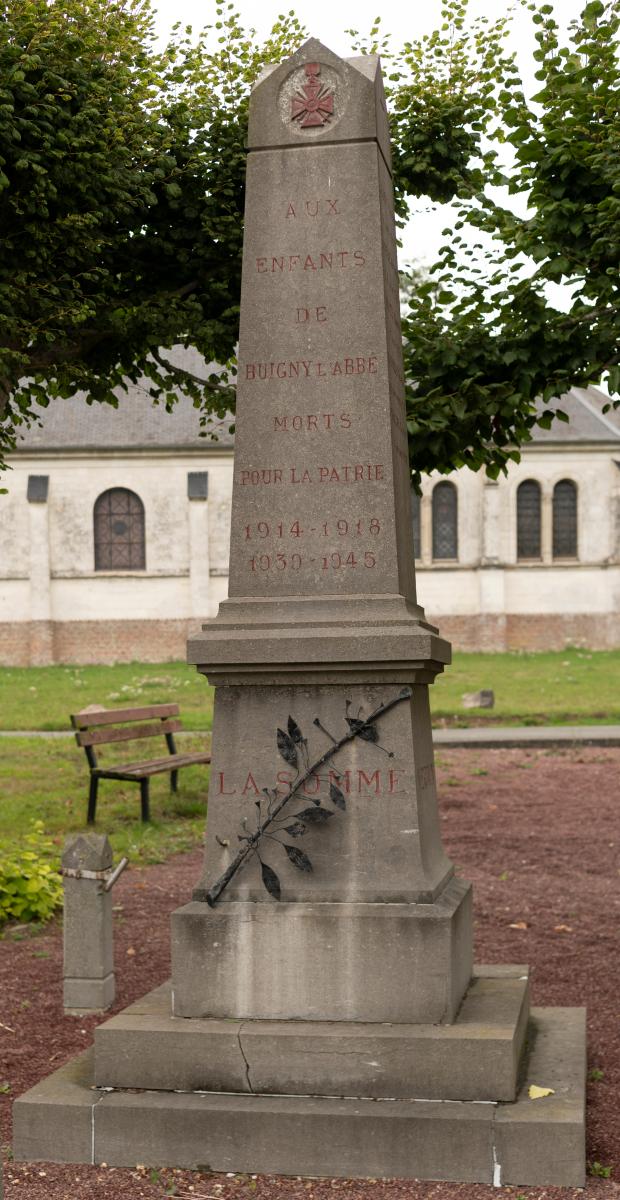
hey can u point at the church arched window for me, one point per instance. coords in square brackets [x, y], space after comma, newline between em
[445, 531]
[528, 519]
[119, 531]
[565, 519]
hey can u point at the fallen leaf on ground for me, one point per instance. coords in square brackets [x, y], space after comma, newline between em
[563, 928]
[537, 1093]
[130, 952]
[518, 925]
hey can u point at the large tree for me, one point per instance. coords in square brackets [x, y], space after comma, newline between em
[121, 200]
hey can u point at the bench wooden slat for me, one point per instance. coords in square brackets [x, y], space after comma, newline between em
[112, 716]
[142, 770]
[101, 737]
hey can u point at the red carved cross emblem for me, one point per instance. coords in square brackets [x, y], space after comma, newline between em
[313, 104]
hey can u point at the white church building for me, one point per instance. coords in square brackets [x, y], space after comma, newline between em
[115, 528]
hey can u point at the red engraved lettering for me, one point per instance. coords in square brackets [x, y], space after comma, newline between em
[309, 264]
[348, 366]
[368, 780]
[302, 315]
[393, 782]
[342, 779]
[250, 371]
[284, 777]
[312, 421]
[314, 790]
[279, 424]
[222, 791]
[277, 264]
[361, 366]
[345, 421]
[332, 209]
[290, 212]
[323, 474]
[297, 423]
[293, 260]
[326, 260]
[358, 258]
[372, 365]
[336, 369]
[312, 208]
[261, 265]
[319, 370]
[321, 313]
[359, 473]
[281, 371]
[249, 784]
[342, 254]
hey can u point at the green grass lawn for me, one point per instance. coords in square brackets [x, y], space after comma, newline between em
[44, 697]
[570, 687]
[567, 686]
[47, 779]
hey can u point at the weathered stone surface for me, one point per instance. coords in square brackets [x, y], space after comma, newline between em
[321, 521]
[87, 851]
[88, 954]
[476, 1058]
[333, 962]
[542, 1141]
[322, 597]
[53, 1122]
[82, 996]
[522, 1143]
[298, 1136]
[385, 847]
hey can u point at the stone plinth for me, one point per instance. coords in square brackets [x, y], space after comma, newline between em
[88, 953]
[476, 1058]
[526, 1142]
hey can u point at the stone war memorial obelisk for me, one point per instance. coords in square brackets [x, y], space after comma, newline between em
[324, 1015]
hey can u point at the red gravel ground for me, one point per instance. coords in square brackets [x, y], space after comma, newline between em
[537, 834]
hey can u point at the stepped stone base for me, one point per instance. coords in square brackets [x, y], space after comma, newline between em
[312, 971]
[526, 1142]
[476, 1058]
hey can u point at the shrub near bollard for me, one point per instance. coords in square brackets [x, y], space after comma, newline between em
[88, 877]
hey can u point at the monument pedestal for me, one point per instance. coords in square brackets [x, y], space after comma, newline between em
[323, 1016]
[324, 961]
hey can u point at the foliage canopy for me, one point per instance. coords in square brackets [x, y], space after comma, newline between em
[121, 202]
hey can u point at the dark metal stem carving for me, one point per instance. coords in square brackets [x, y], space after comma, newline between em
[252, 841]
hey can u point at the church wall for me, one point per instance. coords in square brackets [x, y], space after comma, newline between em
[54, 606]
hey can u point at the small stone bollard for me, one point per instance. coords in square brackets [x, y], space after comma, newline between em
[482, 699]
[88, 950]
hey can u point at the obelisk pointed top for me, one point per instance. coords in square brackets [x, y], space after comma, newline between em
[315, 96]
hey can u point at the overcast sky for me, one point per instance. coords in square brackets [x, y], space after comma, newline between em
[405, 20]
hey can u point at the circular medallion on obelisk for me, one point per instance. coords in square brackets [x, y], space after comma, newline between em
[311, 99]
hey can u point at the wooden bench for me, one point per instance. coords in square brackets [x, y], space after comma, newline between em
[98, 727]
